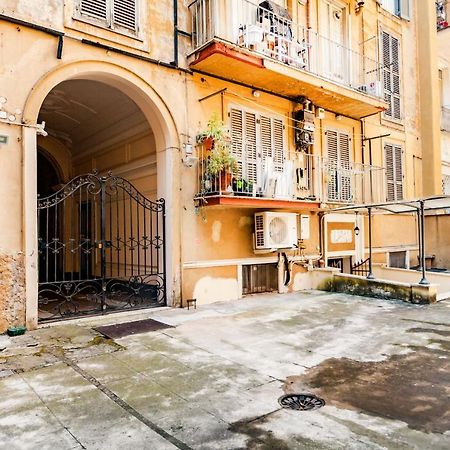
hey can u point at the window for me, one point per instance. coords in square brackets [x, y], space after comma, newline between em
[391, 74]
[338, 166]
[114, 14]
[394, 172]
[400, 8]
[257, 143]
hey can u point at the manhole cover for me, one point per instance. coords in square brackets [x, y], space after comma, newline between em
[301, 402]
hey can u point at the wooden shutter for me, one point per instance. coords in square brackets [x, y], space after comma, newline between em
[124, 13]
[394, 172]
[398, 156]
[97, 9]
[345, 178]
[339, 166]
[250, 170]
[278, 145]
[333, 161]
[391, 74]
[266, 138]
[237, 139]
[390, 174]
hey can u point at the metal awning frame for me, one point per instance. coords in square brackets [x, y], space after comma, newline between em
[419, 207]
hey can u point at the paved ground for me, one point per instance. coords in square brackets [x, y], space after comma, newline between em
[213, 381]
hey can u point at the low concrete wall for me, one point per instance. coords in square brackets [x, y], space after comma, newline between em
[384, 289]
[441, 280]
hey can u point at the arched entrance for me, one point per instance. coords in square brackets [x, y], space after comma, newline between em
[95, 117]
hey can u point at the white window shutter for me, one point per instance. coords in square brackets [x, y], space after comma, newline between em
[124, 13]
[390, 173]
[250, 169]
[278, 145]
[237, 139]
[404, 9]
[398, 152]
[391, 75]
[333, 164]
[97, 9]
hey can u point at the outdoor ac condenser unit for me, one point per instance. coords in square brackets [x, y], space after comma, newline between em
[274, 230]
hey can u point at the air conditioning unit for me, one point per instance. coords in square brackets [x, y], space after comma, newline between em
[274, 230]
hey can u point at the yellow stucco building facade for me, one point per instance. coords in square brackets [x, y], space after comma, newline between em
[326, 103]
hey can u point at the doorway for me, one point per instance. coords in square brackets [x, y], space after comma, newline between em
[101, 235]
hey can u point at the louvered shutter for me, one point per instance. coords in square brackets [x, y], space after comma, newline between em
[332, 154]
[97, 9]
[390, 173]
[278, 145]
[345, 180]
[394, 172]
[398, 156]
[250, 153]
[266, 138]
[236, 131]
[124, 13]
[391, 74]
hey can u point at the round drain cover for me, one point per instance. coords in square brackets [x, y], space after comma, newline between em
[301, 402]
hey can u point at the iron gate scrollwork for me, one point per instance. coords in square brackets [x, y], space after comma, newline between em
[101, 248]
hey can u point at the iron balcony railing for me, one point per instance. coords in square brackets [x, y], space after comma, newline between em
[298, 176]
[271, 35]
[445, 118]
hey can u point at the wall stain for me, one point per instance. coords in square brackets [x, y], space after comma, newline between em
[412, 387]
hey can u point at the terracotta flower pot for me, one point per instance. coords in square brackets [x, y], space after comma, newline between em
[225, 181]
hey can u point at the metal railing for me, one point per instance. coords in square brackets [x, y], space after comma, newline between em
[298, 176]
[277, 37]
[445, 118]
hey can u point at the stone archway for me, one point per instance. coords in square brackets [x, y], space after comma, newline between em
[167, 143]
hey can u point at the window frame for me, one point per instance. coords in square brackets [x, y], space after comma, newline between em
[108, 23]
[401, 8]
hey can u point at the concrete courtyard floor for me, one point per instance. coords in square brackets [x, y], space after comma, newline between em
[213, 381]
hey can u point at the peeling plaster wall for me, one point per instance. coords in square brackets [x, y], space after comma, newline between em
[12, 290]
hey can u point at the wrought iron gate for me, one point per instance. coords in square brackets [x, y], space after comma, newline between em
[101, 248]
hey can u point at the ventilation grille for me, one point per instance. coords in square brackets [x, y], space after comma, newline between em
[259, 231]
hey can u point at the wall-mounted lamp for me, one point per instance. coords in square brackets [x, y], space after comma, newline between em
[256, 93]
[359, 5]
[356, 229]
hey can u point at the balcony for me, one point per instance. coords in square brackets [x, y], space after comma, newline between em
[301, 181]
[267, 50]
[445, 119]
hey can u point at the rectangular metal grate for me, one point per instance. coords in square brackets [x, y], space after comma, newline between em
[130, 328]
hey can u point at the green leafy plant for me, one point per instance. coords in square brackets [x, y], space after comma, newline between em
[215, 130]
[221, 160]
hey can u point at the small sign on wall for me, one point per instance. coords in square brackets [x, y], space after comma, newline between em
[340, 236]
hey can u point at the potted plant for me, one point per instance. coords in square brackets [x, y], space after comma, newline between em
[215, 133]
[242, 187]
[221, 166]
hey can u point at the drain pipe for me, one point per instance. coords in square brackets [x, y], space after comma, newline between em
[175, 33]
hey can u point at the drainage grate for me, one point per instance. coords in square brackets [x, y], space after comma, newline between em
[301, 402]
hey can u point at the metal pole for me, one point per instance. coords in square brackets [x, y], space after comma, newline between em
[419, 235]
[103, 240]
[422, 232]
[370, 275]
